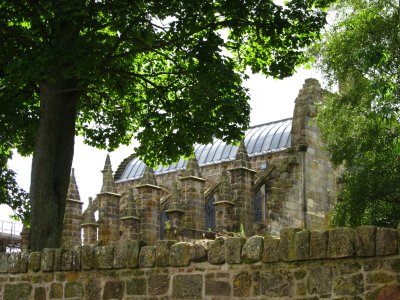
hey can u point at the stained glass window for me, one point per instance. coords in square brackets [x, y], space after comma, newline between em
[260, 205]
[210, 214]
[163, 220]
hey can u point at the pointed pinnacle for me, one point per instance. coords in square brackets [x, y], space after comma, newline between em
[73, 192]
[89, 213]
[192, 167]
[149, 177]
[242, 158]
[108, 179]
[107, 164]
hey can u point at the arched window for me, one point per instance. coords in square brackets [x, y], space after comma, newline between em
[209, 214]
[163, 220]
[260, 205]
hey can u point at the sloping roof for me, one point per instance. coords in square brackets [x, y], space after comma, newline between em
[260, 139]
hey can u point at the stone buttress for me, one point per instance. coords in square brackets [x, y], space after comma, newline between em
[130, 222]
[149, 207]
[108, 207]
[175, 214]
[192, 193]
[224, 205]
[242, 185]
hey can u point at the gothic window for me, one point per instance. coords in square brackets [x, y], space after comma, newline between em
[210, 214]
[163, 220]
[260, 205]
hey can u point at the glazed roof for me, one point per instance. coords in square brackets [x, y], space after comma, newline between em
[260, 139]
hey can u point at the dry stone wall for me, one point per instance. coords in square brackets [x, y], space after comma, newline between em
[342, 263]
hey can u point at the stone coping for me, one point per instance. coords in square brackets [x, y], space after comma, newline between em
[109, 193]
[293, 245]
[76, 201]
[216, 203]
[183, 178]
[148, 185]
[242, 168]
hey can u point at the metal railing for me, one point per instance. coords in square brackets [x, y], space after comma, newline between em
[10, 239]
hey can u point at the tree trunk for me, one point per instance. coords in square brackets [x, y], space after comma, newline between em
[51, 162]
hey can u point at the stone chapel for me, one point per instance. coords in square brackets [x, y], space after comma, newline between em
[279, 176]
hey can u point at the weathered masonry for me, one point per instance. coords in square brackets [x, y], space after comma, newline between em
[279, 176]
[342, 263]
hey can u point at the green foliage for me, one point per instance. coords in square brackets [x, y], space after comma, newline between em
[361, 124]
[167, 225]
[11, 194]
[242, 233]
[168, 73]
[153, 70]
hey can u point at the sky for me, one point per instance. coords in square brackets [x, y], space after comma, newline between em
[271, 100]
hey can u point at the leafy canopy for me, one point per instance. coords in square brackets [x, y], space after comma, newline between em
[167, 72]
[361, 124]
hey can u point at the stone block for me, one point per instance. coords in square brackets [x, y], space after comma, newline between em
[18, 291]
[73, 289]
[24, 261]
[386, 241]
[40, 293]
[341, 242]
[302, 245]
[136, 286]
[241, 284]
[120, 254]
[180, 255]
[187, 287]
[56, 291]
[47, 260]
[88, 260]
[66, 261]
[216, 251]
[198, 253]
[77, 258]
[349, 285]
[158, 284]
[104, 257]
[114, 290]
[93, 289]
[147, 256]
[133, 253]
[233, 248]
[34, 261]
[389, 292]
[319, 244]
[375, 278]
[252, 249]
[163, 252]
[14, 262]
[277, 283]
[346, 268]
[365, 239]
[217, 288]
[319, 280]
[3, 262]
[57, 265]
[271, 249]
[287, 244]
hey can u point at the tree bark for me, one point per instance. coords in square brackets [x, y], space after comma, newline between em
[51, 162]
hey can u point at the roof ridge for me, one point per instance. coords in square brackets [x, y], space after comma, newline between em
[269, 123]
